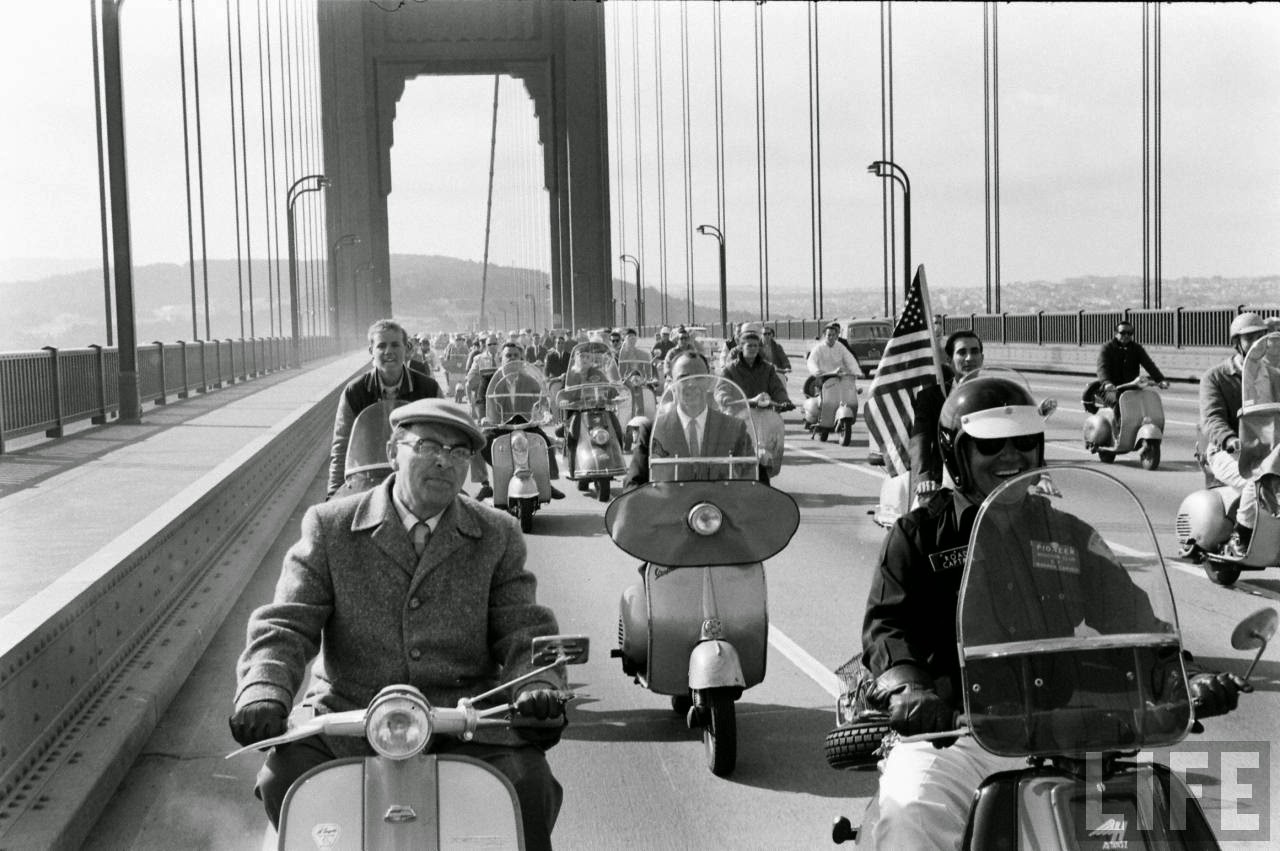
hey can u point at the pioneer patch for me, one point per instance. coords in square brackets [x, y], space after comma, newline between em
[1050, 555]
[948, 559]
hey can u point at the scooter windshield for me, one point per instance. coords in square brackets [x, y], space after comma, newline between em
[1068, 636]
[367, 444]
[702, 431]
[635, 366]
[1260, 411]
[517, 395]
[592, 379]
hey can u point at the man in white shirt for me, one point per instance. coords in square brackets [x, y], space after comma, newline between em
[829, 357]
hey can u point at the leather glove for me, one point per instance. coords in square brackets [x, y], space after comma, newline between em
[541, 703]
[1215, 694]
[914, 710]
[261, 719]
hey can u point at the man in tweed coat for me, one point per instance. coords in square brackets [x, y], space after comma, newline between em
[454, 620]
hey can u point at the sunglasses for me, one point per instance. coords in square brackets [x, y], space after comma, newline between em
[1125, 333]
[994, 445]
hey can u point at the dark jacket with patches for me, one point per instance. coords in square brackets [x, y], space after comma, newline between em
[911, 608]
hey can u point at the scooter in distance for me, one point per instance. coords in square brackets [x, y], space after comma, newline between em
[589, 405]
[1206, 518]
[517, 406]
[1071, 666]
[696, 627]
[642, 382]
[405, 797]
[1141, 425]
[831, 404]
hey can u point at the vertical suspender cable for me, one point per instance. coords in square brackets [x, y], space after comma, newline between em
[893, 199]
[813, 203]
[1159, 194]
[995, 151]
[488, 208]
[204, 244]
[620, 156]
[662, 155]
[270, 176]
[235, 161]
[244, 152]
[320, 256]
[186, 159]
[986, 139]
[719, 77]
[764, 163]
[266, 173]
[817, 139]
[286, 128]
[635, 79]
[688, 165]
[1146, 155]
[102, 173]
[889, 280]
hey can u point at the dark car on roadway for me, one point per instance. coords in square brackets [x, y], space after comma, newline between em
[867, 338]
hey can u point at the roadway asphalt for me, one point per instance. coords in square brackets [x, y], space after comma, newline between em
[633, 775]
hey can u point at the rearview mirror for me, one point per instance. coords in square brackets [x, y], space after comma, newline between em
[1256, 630]
[570, 649]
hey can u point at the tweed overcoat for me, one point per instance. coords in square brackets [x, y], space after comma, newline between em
[353, 595]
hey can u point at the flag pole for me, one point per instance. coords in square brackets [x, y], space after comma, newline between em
[928, 318]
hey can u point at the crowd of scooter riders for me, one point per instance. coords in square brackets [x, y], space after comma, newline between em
[973, 434]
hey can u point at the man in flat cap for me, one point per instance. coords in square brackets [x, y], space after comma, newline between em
[405, 583]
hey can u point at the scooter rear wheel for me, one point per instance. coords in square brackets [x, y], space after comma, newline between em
[719, 731]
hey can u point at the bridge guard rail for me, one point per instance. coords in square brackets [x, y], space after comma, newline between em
[103, 651]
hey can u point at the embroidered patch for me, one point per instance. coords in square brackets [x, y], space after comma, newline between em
[948, 559]
[1050, 555]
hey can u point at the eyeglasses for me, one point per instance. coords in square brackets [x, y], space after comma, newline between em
[1123, 333]
[768, 333]
[995, 445]
[430, 450]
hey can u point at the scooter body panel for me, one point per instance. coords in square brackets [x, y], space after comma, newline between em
[675, 613]
[507, 482]
[715, 664]
[1137, 807]
[770, 437]
[1206, 518]
[425, 802]
[592, 460]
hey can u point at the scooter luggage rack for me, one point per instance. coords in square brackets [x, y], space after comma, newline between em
[749, 463]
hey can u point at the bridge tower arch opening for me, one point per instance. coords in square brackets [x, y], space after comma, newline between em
[556, 49]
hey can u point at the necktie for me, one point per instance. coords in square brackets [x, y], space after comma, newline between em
[691, 437]
[421, 534]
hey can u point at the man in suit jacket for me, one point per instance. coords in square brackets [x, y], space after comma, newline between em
[718, 435]
[405, 583]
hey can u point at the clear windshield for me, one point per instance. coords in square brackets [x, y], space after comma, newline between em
[517, 394]
[367, 444]
[998, 372]
[635, 365]
[703, 431]
[1068, 636]
[592, 378]
[1260, 413]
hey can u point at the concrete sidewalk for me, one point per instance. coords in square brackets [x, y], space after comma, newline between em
[63, 500]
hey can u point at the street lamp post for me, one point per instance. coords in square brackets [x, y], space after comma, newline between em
[334, 313]
[361, 324]
[886, 168]
[516, 306]
[533, 311]
[712, 230]
[627, 258]
[293, 195]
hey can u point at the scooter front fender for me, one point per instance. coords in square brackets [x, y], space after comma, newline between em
[845, 412]
[522, 487]
[1150, 431]
[715, 664]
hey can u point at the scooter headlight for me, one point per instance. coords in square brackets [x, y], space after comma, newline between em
[705, 518]
[600, 436]
[398, 725]
[520, 449]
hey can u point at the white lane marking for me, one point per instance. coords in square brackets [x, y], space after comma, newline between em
[857, 468]
[806, 663]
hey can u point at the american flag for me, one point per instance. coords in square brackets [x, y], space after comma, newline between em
[909, 363]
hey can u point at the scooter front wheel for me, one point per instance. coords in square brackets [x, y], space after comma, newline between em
[1106, 457]
[719, 730]
[602, 489]
[524, 510]
[1220, 573]
[1150, 454]
[846, 432]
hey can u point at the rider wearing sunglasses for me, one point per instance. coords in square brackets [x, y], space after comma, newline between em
[990, 430]
[1120, 360]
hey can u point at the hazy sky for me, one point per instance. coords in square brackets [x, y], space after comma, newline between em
[1070, 141]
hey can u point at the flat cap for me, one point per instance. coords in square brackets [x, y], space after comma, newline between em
[751, 329]
[440, 412]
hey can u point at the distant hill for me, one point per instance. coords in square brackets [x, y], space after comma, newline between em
[439, 293]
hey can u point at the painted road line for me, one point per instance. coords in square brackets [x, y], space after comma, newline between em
[865, 469]
[815, 670]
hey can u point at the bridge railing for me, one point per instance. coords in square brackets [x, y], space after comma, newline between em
[47, 390]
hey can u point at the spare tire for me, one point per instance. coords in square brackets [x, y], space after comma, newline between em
[857, 745]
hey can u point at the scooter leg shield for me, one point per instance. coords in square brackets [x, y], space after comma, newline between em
[715, 664]
[330, 796]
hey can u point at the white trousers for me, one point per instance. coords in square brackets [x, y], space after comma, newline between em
[925, 795]
[1224, 467]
